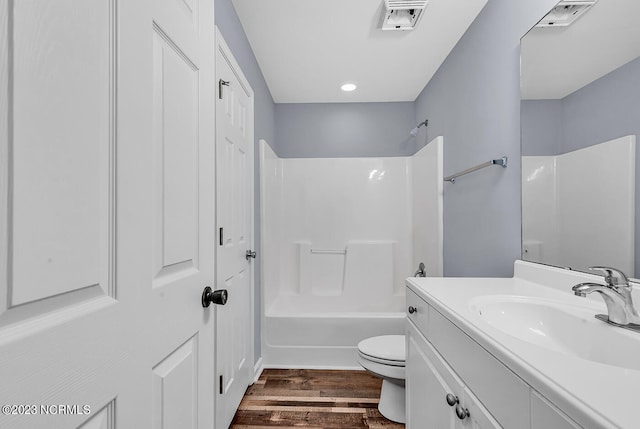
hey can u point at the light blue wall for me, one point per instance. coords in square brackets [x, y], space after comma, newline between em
[541, 122]
[264, 122]
[605, 109]
[333, 130]
[474, 102]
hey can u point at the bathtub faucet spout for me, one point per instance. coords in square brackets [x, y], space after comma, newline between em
[421, 272]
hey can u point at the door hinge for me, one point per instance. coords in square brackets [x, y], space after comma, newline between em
[221, 83]
[221, 236]
[221, 385]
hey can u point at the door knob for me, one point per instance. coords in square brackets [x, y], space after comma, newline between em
[219, 296]
[250, 254]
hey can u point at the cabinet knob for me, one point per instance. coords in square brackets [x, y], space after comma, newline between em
[452, 399]
[412, 309]
[462, 413]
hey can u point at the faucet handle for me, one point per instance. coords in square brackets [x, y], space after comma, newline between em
[421, 271]
[612, 276]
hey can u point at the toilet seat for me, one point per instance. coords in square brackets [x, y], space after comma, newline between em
[385, 350]
[382, 361]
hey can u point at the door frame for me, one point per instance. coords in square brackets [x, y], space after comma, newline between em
[225, 51]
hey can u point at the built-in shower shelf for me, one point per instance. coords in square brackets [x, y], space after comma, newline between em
[329, 251]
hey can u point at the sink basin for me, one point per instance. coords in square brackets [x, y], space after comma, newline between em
[561, 327]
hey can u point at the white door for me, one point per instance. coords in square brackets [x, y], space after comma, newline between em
[106, 164]
[181, 331]
[234, 196]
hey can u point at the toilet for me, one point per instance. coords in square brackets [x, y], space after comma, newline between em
[385, 357]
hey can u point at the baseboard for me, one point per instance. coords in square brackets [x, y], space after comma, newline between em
[257, 370]
[333, 367]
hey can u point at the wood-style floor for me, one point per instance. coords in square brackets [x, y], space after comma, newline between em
[318, 399]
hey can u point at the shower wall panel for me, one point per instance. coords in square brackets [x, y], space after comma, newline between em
[343, 220]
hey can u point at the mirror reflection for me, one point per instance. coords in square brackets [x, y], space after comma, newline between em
[580, 107]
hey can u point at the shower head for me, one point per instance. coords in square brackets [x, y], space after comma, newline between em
[414, 131]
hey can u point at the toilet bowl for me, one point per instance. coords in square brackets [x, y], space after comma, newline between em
[384, 357]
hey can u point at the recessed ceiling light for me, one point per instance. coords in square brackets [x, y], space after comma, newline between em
[348, 86]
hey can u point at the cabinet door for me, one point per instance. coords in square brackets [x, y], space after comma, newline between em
[479, 417]
[426, 388]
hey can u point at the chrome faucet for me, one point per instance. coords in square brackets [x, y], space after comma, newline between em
[616, 294]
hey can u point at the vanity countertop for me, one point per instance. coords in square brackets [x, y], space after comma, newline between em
[594, 394]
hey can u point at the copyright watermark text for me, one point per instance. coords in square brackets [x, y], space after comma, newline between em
[53, 410]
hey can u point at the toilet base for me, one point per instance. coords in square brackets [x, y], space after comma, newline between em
[392, 401]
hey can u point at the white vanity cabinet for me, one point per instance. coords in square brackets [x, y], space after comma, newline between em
[430, 383]
[442, 360]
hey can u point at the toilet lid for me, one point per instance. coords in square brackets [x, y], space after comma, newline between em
[386, 347]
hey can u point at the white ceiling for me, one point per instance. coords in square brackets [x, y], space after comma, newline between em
[558, 61]
[307, 48]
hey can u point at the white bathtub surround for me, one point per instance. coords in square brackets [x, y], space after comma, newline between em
[427, 194]
[563, 196]
[557, 352]
[337, 244]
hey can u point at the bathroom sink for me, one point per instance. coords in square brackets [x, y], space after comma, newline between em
[561, 327]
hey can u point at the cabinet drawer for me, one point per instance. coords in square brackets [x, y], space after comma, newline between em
[500, 390]
[420, 317]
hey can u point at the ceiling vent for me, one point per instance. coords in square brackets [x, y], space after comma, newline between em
[401, 14]
[565, 13]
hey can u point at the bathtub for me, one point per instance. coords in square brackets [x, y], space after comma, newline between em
[337, 244]
[323, 332]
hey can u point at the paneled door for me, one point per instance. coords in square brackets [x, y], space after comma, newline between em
[181, 331]
[106, 172]
[234, 196]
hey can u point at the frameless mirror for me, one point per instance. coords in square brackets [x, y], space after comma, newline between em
[580, 116]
